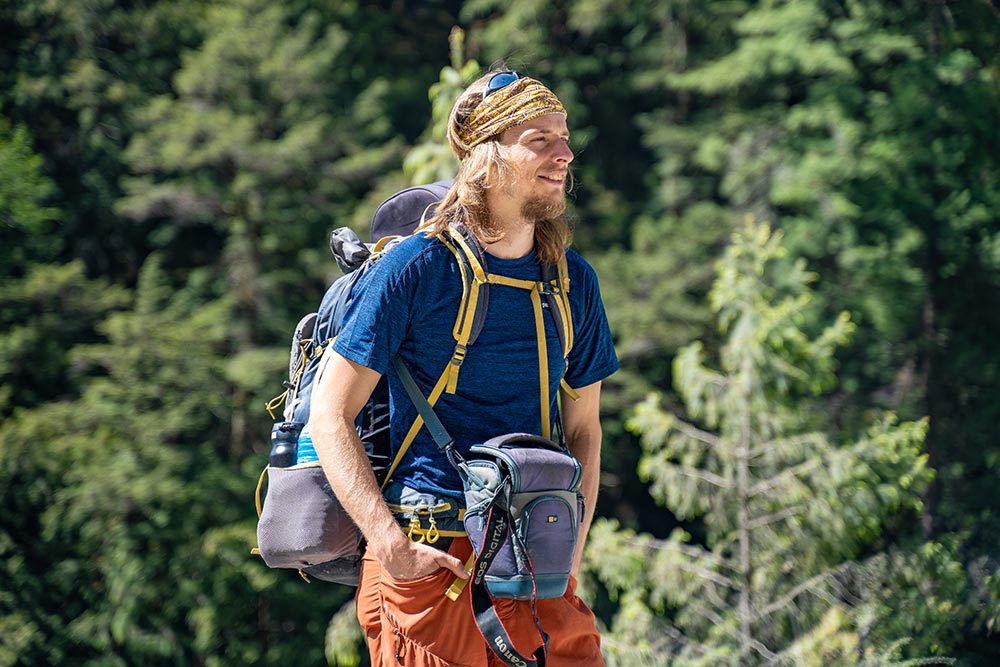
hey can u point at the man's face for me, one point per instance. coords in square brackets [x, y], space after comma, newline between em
[539, 156]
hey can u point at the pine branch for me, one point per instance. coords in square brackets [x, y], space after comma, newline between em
[720, 623]
[806, 586]
[785, 443]
[705, 476]
[761, 521]
[713, 441]
[693, 552]
[783, 476]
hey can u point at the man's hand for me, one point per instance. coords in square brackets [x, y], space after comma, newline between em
[406, 560]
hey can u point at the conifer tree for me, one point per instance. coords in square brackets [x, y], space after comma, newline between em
[777, 507]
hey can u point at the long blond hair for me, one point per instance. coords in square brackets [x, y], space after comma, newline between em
[484, 166]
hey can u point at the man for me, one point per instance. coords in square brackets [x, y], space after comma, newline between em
[510, 133]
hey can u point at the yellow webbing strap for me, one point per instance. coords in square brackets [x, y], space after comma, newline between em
[276, 402]
[462, 331]
[572, 393]
[466, 319]
[562, 302]
[474, 262]
[543, 356]
[562, 270]
[415, 428]
[459, 584]
[567, 318]
[543, 363]
[463, 320]
[382, 242]
[260, 485]
[260, 508]
[497, 279]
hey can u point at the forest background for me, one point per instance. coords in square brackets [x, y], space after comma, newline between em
[792, 207]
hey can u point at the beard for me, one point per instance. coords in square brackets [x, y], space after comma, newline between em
[539, 209]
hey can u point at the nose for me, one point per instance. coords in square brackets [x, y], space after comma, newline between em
[563, 153]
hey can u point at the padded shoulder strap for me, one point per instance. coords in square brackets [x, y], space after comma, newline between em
[475, 296]
[468, 324]
[555, 290]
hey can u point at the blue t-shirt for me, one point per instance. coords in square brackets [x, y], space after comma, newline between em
[408, 303]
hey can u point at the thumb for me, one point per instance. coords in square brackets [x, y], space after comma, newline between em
[451, 563]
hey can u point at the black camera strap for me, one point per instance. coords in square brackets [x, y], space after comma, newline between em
[498, 526]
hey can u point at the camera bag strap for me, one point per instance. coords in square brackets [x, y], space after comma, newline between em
[499, 525]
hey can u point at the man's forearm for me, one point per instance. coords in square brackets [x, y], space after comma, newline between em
[342, 455]
[340, 391]
[581, 419]
[589, 485]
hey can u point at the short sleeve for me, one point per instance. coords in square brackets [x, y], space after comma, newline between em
[377, 318]
[593, 356]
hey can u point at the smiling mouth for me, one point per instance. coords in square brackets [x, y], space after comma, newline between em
[558, 179]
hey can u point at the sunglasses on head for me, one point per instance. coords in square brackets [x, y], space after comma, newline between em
[501, 80]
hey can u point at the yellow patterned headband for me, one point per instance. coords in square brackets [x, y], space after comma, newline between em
[510, 99]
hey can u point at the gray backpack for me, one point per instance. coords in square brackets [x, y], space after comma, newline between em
[301, 523]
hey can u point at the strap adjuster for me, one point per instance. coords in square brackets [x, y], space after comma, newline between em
[546, 288]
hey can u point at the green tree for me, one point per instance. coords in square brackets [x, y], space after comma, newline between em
[72, 73]
[131, 515]
[26, 220]
[248, 157]
[861, 130]
[787, 521]
[45, 307]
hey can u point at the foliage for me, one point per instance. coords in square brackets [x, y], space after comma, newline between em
[859, 129]
[126, 493]
[25, 221]
[787, 513]
[432, 159]
[169, 174]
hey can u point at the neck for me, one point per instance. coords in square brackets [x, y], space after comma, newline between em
[518, 233]
[518, 240]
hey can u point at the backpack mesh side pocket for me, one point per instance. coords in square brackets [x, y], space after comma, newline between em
[303, 526]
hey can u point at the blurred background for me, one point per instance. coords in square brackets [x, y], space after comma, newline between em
[792, 206]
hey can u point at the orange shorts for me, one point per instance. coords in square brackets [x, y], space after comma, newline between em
[412, 623]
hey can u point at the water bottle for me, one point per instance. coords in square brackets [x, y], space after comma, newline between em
[284, 439]
[306, 450]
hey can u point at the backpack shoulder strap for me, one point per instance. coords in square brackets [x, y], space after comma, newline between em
[468, 323]
[556, 293]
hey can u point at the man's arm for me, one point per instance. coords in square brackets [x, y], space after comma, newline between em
[338, 396]
[582, 426]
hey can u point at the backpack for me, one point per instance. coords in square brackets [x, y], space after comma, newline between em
[301, 524]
